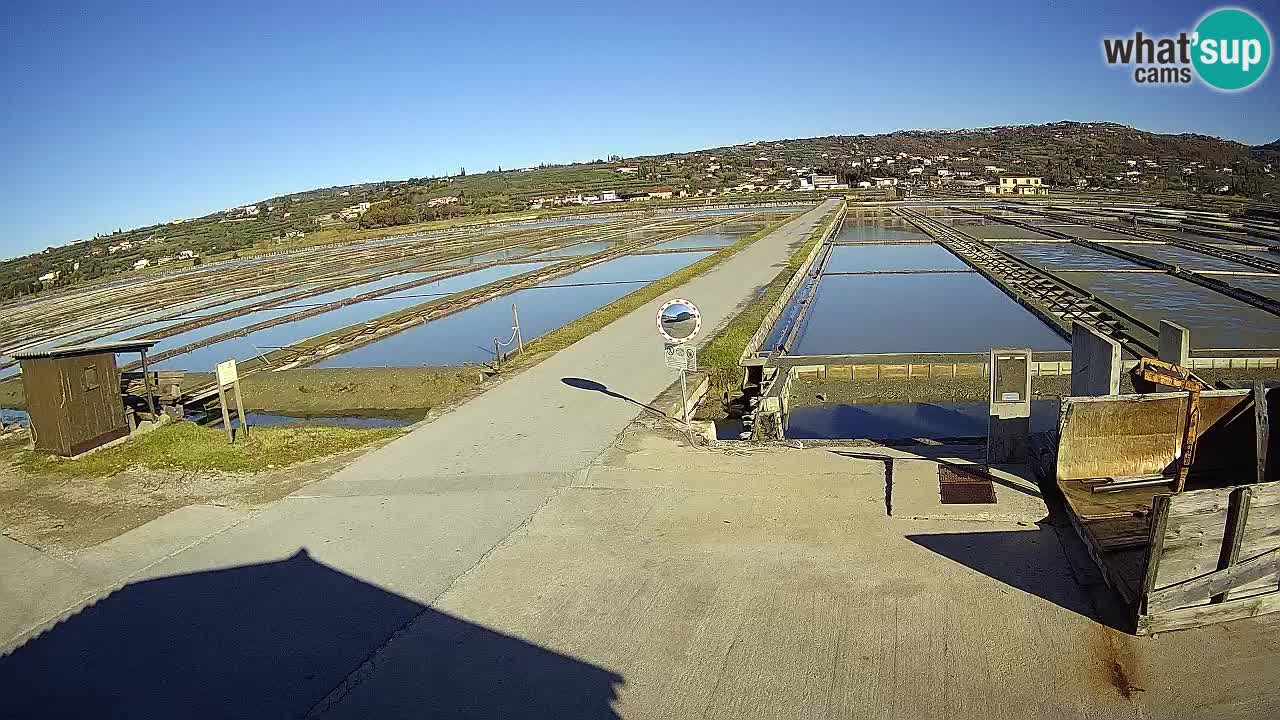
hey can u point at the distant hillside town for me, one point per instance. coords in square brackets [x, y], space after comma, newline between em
[1030, 160]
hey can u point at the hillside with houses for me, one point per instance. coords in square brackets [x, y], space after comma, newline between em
[1065, 156]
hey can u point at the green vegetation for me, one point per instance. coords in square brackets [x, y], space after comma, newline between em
[185, 446]
[720, 356]
[571, 333]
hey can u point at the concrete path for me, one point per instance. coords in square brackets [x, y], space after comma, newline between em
[347, 561]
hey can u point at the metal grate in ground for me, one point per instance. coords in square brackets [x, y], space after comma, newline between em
[965, 487]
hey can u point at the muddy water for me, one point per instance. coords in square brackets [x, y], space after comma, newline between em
[1265, 286]
[1215, 320]
[1210, 237]
[999, 231]
[878, 232]
[714, 237]
[586, 248]
[1088, 232]
[1186, 258]
[1064, 256]
[881, 258]
[921, 313]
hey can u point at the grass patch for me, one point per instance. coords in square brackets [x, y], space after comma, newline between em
[571, 333]
[315, 391]
[720, 356]
[185, 446]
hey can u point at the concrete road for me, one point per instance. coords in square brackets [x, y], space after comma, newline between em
[680, 583]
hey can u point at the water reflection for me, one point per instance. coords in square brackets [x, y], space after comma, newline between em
[715, 237]
[878, 232]
[467, 336]
[879, 258]
[923, 313]
[899, 421]
[585, 248]
[263, 341]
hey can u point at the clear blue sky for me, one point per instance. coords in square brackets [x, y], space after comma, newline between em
[123, 114]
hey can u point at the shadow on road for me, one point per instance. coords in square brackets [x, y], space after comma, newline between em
[272, 640]
[1030, 560]
[584, 384]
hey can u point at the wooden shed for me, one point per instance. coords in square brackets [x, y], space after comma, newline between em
[73, 395]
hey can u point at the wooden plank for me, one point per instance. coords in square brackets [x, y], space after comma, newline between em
[1262, 429]
[1194, 592]
[1159, 520]
[1262, 532]
[244, 423]
[1128, 566]
[1237, 516]
[226, 417]
[1121, 576]
[1120, 533]
[1099, 506]
[1199, 615]
[1198, 524]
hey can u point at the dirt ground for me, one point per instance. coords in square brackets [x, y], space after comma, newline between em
[62, 515]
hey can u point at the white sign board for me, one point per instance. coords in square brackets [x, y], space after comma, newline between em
[681, 357]
[227, 373]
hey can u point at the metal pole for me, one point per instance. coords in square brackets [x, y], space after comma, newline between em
[497, 355]
[684, 395]
[515, 319]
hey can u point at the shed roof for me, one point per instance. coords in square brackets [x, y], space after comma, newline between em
[86, 349]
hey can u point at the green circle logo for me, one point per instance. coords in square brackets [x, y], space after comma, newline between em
[1232, 49]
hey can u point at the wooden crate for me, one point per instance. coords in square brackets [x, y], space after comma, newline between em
[1213, 556]
[1206, 555]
